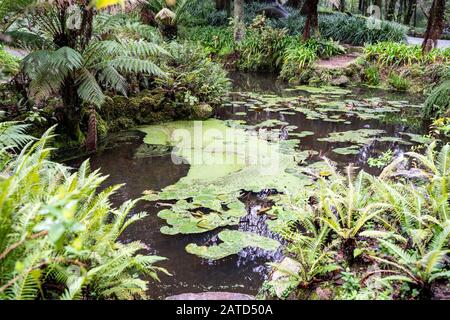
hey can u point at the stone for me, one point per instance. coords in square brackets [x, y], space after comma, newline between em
[279, 279]
[340, 81]
[324, 294]
[202, 111]
[214, 295]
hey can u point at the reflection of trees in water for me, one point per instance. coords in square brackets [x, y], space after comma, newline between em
[257, 82]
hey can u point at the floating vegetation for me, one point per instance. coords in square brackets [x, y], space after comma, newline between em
[347, 150]
[321, 90]
[222, 163]
[148, 150]
[418, 138]
[187, 217]
[233, 241]
[359, 137]
[302, 134]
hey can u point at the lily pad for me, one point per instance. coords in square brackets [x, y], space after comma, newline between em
[233, 241]
[347, 150]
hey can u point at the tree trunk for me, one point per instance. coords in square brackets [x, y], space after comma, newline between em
[390, 12]
[412, 4]
[71, 110]
[312, 19]
[148, 16]
[221, 4]
[91, 138]
[295, 3]
[361, 6]
[239, 20]
[379, 4]
[435, 25]
[228, 8]
[342, 6]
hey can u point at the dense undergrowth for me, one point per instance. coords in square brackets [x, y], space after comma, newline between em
[383, 237]
[58, 233]
[354, 29]
[397, 226]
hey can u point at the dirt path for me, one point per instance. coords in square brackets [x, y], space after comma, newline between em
[338, 62]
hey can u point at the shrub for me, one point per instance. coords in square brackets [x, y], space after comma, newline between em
[438, 102]
[59, 235]
[354, 30]
[372, 75]
[324, 48]
[262, 49]
[399, 54]
[9, 65]
[216, 40]
[192, 75]
[398, 82]
[296, 58]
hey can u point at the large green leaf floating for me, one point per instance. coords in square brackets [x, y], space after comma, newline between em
[233, 241]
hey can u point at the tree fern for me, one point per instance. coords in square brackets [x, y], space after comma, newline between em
[12, 134]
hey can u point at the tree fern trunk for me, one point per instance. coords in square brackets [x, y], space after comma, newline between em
[239, 20]
[409, 11]
[435, 25]
[71, 110]
[91, 138]
[312, 20]
[390, 12]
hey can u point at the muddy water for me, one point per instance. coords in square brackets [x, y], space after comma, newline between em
[245, 272]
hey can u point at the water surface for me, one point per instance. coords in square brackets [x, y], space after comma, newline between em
[245, 272]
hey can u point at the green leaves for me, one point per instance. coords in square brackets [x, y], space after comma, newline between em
[54, 222]
[233, 241]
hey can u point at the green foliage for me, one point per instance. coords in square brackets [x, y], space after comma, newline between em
[438, 102]
[408, 220]
[262, 49]
[13, 135]
[399, 54]
[9, 65]
[59, 235]
[384, 159]
[324, 48]
[398, 82]
[345, 206]
[299, 55]
[372, 75]
[296, 58]
[354, 30]
[441, 127]
[191, 74]
[215, 40]
[312, 252]
[102, 65]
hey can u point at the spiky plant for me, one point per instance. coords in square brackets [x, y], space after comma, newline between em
[420, 267]
[59, 236]
[345, 205]
[313, 253]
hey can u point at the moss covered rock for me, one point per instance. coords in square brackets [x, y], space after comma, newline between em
[202, 111]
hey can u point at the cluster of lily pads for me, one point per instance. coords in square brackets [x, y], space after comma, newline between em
[230, 157]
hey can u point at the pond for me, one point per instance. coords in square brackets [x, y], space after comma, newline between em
[371, 121]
